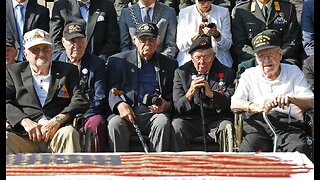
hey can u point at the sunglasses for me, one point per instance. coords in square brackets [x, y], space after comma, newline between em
[145, 39]
[204, 1]
[37, 50]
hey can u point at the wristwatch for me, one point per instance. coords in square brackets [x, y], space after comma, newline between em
[58, 119]
[217, 36]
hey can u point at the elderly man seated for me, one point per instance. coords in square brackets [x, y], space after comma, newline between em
[42, 98]
[281, 91]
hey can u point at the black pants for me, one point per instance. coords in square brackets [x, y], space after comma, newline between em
[259, 137]
[183, 130]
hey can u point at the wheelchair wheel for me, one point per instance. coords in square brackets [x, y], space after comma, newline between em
[91, 141]
[226, 144]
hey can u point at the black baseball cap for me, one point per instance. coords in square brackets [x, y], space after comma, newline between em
[147, 29]
[203, 42]
[265, 40]
[10, 42]
[73, 30]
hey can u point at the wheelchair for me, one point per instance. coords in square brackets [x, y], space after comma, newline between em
[239, 117]
[89, 141]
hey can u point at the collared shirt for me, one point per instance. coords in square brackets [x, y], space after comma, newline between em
[269, 4]
[15, 3]
[147, 78]
[41, 85]
[254, 87]
[85, 10]
[16, 12]
[143, 12]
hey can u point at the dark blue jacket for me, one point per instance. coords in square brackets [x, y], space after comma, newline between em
[123, 74]
[96, 84]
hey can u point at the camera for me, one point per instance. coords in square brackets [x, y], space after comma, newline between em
[211, 25]
[150, 99]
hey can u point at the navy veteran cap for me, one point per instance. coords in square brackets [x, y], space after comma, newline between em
[73, 30]
[10, 42]
[265, 40]
[147, 29]
[202, 43]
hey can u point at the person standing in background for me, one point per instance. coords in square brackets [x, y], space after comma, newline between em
[99, 18]
[193, 22]
[307, 26]
[11, 51]
[23, 16]
[150, 11]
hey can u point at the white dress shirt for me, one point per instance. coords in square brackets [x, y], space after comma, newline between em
[290, 82]
[41, 85]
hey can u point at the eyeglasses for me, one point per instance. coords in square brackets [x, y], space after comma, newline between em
[145, 39]
[37, 50]
[203, 58]
[269, 56]
[204, 1]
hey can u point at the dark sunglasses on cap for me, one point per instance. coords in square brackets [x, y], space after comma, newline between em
[204, 1]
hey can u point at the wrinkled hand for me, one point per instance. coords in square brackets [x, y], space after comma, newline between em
[33, 129]
[194, 86]
[165, 106]
[268, 105]
[208, 90]
[282, 101]
[200, 31]
[49, 129]
[126, 112]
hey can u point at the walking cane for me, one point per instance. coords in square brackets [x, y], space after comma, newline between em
[143, 143]
[266, 119]
[201, 94]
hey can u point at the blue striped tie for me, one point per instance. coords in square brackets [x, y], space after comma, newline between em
[147, 16]
[20, 24]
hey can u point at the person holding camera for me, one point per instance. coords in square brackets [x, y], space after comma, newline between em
[204, 18]
[203, 80]
[141, 83]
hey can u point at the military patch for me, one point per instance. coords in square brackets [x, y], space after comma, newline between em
[277, 5]
[63, 92]
[280, 20]
[261, 40]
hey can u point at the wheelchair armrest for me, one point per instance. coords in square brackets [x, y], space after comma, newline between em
[308, 116]
[310, 112]
[238, 126]
[309, 119]
[237, 110]
[78, 121]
